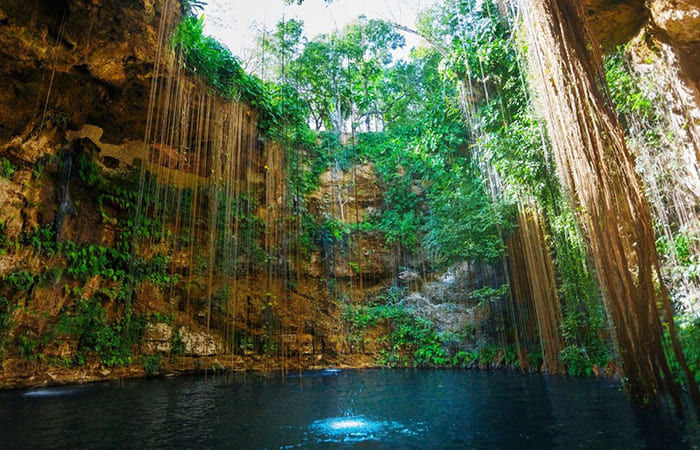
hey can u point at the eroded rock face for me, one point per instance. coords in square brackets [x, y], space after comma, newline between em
[350, 197]
[449, 303]
[680, 19]
[157, 338]
[663, 35]
[200, 343]
[72, 61]
[12, 200]
[615, 22]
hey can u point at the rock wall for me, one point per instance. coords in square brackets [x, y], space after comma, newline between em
[71, 62]
[665, 33]
[75, 78]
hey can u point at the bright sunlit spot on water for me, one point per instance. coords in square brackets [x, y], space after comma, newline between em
[356, 429]
[347, 424]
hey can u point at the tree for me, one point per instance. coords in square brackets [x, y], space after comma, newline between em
[339, 74]
[280, 47]
[368, 45]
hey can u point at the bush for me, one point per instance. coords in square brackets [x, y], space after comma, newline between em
[19, 281]
[7, 168]
[110, 342]
[27, 346]
[153, 364]
[412, 342]
[689, 338]
[6, 308]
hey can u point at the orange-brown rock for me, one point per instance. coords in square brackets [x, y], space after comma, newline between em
[615, 22]
[73, 61]
[679, 19]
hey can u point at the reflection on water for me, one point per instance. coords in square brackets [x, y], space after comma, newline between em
[53, 392]
[313, 373]
[338, 409]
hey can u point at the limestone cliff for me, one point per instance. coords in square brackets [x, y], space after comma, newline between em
[670, 31]
[72, 62]
[77, 79]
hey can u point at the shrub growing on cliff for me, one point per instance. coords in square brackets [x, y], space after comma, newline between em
[7, 168]
[21, 280]
[6, 309]
[111, 341]
[410, 342]
[153, 364]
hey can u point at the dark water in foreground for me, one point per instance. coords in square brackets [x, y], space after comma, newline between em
[331, 409]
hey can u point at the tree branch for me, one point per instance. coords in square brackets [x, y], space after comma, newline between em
[432, 43]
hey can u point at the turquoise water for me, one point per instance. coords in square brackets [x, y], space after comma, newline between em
[338, 409]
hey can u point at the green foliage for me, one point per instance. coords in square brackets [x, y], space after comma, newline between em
[689, 338]
[680, 247]
[27, 347]
[332, 230]
[464, 359]
[641, 109]
[464, 224]
[110, 341]
[489, 292]
[487, 357]
[7, 168]
[153, 364]
[422, 157]
[434, 170]
[411, 342]
[414, 342]
[482, 53]
[240, 210]
[206, 56]
[177, 345]
[283, 114]
[280, 46]
[678, 250]
[158, 273]
[43, 240]
[86, 261]
[625, 88]
[338, 75]
[116, 264]
[584, 316]
[5, 243]
[6, 308]
[19, 281]
[87, 170]
[688, 334]
[535, 358]
[6, 323]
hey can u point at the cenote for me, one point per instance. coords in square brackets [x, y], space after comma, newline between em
[494, 204]
[338, 409]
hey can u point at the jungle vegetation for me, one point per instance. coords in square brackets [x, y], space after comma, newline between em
[462, 156]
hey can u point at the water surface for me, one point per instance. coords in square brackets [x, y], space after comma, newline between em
[337, 409]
